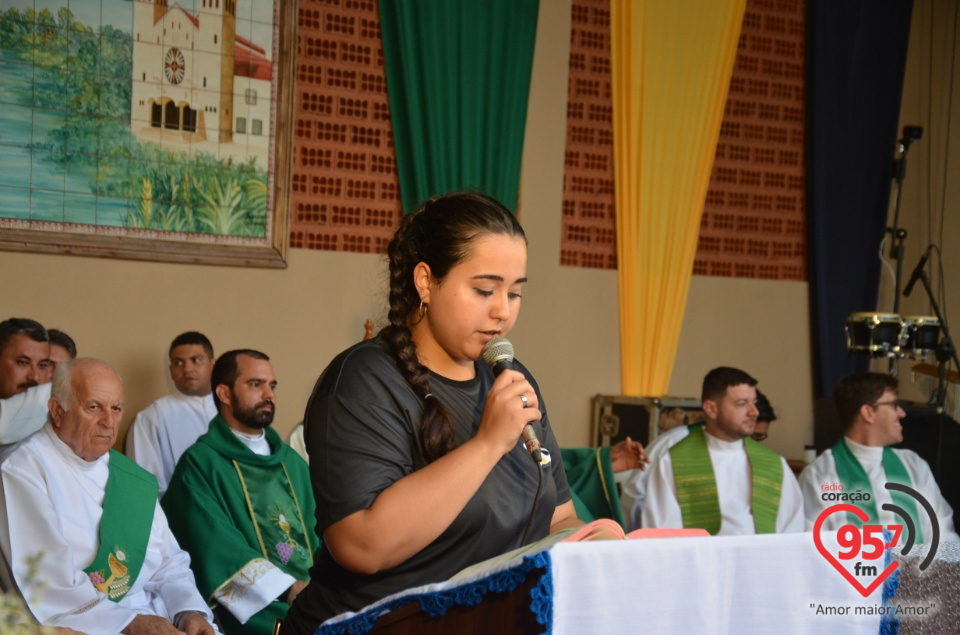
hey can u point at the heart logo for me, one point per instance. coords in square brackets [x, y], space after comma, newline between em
[862, 515]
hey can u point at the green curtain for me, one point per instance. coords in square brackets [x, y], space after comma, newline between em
[458, 79]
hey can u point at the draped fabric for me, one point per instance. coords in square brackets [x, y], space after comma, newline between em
[458, 79]
[856, 55]
[671, 62]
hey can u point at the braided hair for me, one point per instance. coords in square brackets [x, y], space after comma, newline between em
[440, 234]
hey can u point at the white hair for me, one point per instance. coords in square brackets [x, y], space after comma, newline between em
[62, 388]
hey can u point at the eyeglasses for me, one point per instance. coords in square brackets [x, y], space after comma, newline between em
[895, 403]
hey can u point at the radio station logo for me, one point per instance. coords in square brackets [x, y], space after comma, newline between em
[861, 548]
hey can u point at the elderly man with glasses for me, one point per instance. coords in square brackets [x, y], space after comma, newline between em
[862, 462]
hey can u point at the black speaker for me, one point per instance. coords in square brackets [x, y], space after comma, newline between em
[826, 426]
[936, 438]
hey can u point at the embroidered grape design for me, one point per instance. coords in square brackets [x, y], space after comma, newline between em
[285, 551]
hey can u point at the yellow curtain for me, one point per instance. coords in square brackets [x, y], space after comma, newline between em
[671, 63]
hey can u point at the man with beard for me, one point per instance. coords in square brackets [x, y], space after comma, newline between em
[674, 426]
[720, 479]
[170, 425]
[240, 502]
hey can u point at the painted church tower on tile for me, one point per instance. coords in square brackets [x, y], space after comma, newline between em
[188, 71]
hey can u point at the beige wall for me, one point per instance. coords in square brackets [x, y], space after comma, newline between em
[930, 207]
[127, 312]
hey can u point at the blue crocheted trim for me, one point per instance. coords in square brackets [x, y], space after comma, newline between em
[437, 603]
[889, 624]
[541, 595]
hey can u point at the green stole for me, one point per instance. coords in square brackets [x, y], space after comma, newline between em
[129, 502]
[697, 484]
[852, 476]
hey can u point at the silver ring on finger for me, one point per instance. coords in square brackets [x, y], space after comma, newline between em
[526, 402]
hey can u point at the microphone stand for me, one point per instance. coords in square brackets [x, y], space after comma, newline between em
[946, 351]
[896, 246]
[898, 234]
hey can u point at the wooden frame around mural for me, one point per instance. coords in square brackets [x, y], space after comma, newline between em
[270, 250]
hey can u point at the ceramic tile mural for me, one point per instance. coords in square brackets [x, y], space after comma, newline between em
[142, 118]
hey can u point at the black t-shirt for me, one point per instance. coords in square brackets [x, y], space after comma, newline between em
[361, 430]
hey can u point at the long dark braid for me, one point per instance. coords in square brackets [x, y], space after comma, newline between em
[439, 234]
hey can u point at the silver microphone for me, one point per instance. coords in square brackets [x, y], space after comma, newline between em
[498, 355]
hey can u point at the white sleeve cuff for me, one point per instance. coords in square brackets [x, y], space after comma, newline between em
[252, 589]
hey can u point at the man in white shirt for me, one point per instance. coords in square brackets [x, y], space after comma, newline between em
[862, 462]
[24, 380]
[80, 525]
[633, 491]
[720, 479]
[166, 428]
[62, 348]
[24, 355]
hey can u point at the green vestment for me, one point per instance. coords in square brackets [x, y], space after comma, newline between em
[232, 510]
[129, 501]
[697, 484]
[592, 483]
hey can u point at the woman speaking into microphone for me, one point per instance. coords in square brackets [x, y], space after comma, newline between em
[416, 456]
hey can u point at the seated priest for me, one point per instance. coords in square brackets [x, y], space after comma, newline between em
[591, 474]
[718, 478]
[241, 503]
[674, 426]
[862, 462]
[80, 525]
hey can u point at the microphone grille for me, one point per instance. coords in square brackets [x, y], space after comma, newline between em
[496, 350]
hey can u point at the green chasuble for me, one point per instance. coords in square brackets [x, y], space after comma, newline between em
[592, 484]
[234, 511]
[697, 484]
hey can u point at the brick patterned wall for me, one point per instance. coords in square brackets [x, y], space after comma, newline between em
[588, 235]
[753, 223]
[345, 192]
[754, 219]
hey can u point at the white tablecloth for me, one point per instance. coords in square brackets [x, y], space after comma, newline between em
[734, 584]
[718, 585]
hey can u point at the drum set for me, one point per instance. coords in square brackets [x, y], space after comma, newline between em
[890, 335]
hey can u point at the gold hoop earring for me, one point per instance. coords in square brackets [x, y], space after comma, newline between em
[424, 307]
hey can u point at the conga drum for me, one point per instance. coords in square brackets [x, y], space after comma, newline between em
[877, 334]
[920, 335]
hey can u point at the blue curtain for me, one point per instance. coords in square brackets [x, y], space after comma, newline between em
[856, 54]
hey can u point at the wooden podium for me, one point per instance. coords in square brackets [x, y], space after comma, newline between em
[501, 613]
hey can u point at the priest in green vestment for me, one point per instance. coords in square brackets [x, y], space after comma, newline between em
[718, 478]
[240, 502]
